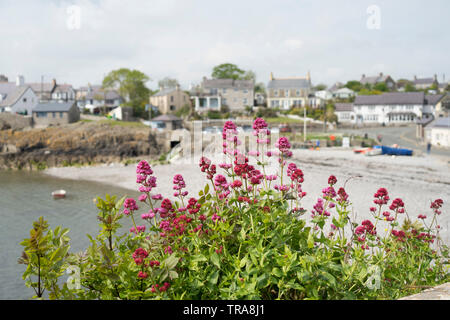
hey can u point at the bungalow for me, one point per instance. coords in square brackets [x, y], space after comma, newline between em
[20, 100]
[169, 100]
[287, 92]
[122, 113]
[101, 99]
[343, 93]
[55, 113]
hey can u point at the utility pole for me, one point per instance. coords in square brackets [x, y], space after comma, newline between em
[304, 124]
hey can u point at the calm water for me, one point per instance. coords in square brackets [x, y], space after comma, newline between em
[26, 196]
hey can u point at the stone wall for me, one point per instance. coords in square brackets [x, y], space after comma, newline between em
[14, 121]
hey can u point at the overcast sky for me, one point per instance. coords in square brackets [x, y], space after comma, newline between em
[185, 39]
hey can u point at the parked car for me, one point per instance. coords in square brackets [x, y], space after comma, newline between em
[285, 128]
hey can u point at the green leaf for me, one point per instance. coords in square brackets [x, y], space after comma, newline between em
[171, 261]
[215, 259]
[310, 240]
[277, 272]
[214, 277]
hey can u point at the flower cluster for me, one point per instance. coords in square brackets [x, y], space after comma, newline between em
[206, 166]
[381, 197]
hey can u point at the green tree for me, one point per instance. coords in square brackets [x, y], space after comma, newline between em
[381, 86]
[354, 85]
[228, 71]
[320, 87]
[409, 87]
[131, 85]
[168, 82]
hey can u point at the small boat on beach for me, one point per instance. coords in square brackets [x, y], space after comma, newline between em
[58, 194]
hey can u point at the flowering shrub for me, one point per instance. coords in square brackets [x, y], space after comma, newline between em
[244, 238]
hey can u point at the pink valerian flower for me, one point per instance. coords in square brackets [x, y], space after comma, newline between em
[319, 209]
[130, 206]
[157, 197]
[343, 196]
[138, 229]
[436, 205]
[142, 197]
[256, 177]
[142, 275]
[215, 217]
[271, 177]
[381, 197]
[178, 182]
[281, 187]
[193, 206]
[139, 255]
[422, 216]
[168, 250]
[236, 184]
[149, 215]
[206, 166]
[229, 133]
[144, 168]
[283, 145]
[399, 234]
[397, 205]
[329, 192]
[366, 227]
[228, 127]
[225, 166]
[332, 180]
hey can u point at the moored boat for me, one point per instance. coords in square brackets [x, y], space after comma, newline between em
[58, 194]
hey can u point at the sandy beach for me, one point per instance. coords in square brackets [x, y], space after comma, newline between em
[418, 180]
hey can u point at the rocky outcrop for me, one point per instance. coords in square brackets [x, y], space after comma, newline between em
[80, 143]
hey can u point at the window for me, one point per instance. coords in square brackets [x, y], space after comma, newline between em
[245, 91]
[172, 108]
[171, 98]
[61, 114]
[245, 101]
[24, 99]
[224, 90]
[275, 93]
[297, 93]
[286, 93]
[54, 114]
[41, 114]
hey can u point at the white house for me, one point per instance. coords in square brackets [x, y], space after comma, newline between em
[391, 108]
[343, 93]
[438, 132]
[324, 94]
[344, 112]
[17, 98]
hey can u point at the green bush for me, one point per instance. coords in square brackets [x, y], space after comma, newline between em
[246, 237]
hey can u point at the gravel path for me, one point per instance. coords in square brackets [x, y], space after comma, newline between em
[417, 180]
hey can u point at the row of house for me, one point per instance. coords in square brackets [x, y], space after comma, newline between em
[281, 93]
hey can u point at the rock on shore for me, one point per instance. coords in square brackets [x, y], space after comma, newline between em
[79, 143]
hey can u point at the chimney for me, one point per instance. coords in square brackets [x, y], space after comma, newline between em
[20, 80]
[177, 87]
[435, 77]
[271, 76]
[363, 76]
[415, 77]
[54, 82]
[308, 76]
[161, 88]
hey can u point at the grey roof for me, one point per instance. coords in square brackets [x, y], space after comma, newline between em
[15, 95]
[107, 95]
[166, 117]
[53, 107]
[374, 79]
[433, 99]
[63, 88]
[7, 87]
[36, 86]
[423, 81]
[391, 98]
[164, 92]
[227, 83]
[343, 107]
[442, 123]
[289, 83]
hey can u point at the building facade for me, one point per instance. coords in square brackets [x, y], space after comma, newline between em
[55, 113]
[212, 94]
[169, 100]
[21, 100]
[345, 113]
[381, 78]
[285, 93]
